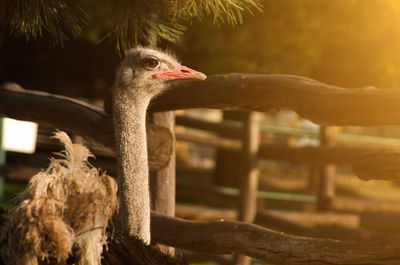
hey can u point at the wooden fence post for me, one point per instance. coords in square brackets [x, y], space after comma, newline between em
[227, 167]
[249, 175]
[162, 182]
[326, 187]
[313, 178]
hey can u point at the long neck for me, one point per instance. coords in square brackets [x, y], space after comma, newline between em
[131, 147]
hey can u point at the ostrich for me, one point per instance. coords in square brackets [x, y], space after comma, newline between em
[64, 213]
[63, 216]
[143, 74]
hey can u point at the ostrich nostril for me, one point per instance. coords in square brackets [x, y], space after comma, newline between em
[184, 71]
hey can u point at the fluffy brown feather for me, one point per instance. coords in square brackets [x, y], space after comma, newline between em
[63, 212]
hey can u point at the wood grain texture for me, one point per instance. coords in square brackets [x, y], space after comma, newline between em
[311, 99]
[163, 182]
[225, 237]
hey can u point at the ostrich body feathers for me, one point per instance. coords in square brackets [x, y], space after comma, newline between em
[63, 212]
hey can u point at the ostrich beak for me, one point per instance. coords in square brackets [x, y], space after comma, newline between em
[183, 73]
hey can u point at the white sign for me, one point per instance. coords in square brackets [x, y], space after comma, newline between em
[19, 136]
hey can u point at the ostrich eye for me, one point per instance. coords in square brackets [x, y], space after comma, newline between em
[151, 63]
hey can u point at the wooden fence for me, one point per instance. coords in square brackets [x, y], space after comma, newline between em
[348, 150]
[323, 104]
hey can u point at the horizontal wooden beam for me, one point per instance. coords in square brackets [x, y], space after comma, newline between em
[361, 206]
[225, 237]
[210, 140]
[78, 117]
[207, 213]
[204, 213]
[319, 225]
[233, 130]
[331, 227]
[367, 163]
[213, 194]
[321, 103]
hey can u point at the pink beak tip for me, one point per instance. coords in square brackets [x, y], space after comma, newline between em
[183, 73]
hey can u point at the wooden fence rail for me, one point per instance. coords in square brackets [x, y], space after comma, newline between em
[366, 162]
[225, 237]
[75, 116]
[233, 129]
[313, 100]
[318, 225]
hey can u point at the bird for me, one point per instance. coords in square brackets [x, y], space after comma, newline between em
[64, 214]
[144, 74]
[63, 218]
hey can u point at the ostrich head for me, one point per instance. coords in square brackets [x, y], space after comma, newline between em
[147, 72]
